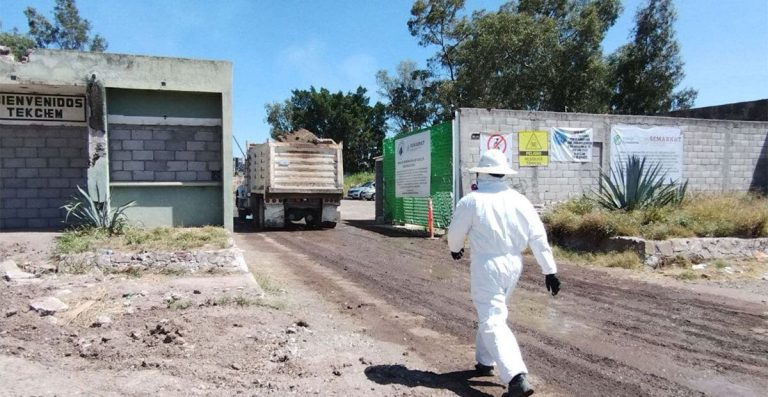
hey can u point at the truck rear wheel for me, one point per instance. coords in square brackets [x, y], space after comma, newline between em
[329, 225]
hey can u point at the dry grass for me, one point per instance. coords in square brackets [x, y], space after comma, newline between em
[702, 215]
[134, 239]
[624, 260]
[84, 313]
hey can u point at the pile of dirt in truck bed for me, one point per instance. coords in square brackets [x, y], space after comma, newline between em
[302, 135]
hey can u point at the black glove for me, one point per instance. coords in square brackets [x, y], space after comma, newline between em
[553, 284]
[457, 255]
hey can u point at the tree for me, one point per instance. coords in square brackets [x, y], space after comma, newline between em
[537, 55]
[342, 117]
[645, 72]
[435, 22]
[412, 95]
[17, 42]
[67, 32]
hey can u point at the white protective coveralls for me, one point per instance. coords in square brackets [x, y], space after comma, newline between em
[500, 223]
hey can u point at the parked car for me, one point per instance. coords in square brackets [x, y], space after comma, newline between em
[364, 191]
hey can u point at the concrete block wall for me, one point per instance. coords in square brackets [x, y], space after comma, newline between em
[151, 153]
[718, 155]
[40, 169]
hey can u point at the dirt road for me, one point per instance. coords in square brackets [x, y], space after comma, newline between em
[604, 335]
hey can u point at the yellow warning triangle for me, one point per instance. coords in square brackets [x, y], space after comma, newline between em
[533, 143]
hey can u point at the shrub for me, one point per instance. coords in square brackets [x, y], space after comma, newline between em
[636, 185]
[90, 212]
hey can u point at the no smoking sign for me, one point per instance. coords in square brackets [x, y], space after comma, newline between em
[496, 141]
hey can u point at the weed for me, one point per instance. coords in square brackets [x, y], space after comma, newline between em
[267, 285]
[720, 264]
[687, 275]
[620, 259]
[133, 271]
[173, 271]
[179, 304]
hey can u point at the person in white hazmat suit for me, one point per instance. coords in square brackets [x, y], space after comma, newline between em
[500, 223]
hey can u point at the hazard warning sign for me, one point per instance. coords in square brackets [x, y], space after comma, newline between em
[533, 148]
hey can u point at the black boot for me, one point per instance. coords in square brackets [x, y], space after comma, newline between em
[519, 386]
[483, 370]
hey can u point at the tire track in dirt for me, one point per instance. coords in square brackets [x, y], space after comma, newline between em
[626, 337]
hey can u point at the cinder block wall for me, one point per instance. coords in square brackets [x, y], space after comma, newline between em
[41, 167]
[151, 153]
[718, 155]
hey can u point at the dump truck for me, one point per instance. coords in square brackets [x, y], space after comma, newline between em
[298, 178]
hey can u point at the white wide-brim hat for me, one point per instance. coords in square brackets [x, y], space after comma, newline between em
[493, 162]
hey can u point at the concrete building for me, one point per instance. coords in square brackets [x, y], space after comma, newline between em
[150, 129]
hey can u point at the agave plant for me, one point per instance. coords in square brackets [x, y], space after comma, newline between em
[638, 184]
[89, 212]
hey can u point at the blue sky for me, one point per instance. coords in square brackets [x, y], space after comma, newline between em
[277, 46]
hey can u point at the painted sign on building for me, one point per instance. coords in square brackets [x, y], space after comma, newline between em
[413, 165]
[571, 145]
[533, 148]
[658, 144]
[40, 107]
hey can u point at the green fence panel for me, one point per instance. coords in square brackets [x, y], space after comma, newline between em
[407, 210]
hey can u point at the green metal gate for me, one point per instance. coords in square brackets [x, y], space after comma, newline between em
[407, 210]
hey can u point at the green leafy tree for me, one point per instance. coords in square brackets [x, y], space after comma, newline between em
[412, 96]
[436, 22]
[645, 72]
[342, 117]
[68, 31]
[17, 42]
[537, 55]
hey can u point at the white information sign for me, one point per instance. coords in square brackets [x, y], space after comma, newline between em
[659, 144]
[571, 145]
[502, 142]
[413, 165]
[40, 107]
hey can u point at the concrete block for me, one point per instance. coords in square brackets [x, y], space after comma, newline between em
[14, 203]
[14, 223]
[26, 152]
[140, 135]
[35, 163]
[204, 176]
[14, 163]
[142, 155]
[185, 155]
[12, 183]
[133, 166]
[164, 155]
[115, 145]
[73, 152]
[156, 166]
[78, 163]
[37, 183]
[195, 146]
[161, 135]
[196, 166]
[37, 203]
[143, 175]
[61, 183]
[119, 134]
[120, 155]
[34, 142]
[73, 173]
[154, 145]
[116, 165]
[175, 145]
[6, 152]
[28, 213]
[50, 193]
[205, 136]
[38, 223]
[27, 172]
[214, 166]
[186, 176]
[207, 156]
[177, 166]
[121, 175]
[133, 145]
[164, 176]
[213, 146]
[12, 142]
